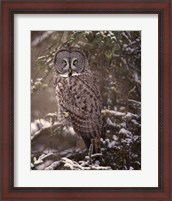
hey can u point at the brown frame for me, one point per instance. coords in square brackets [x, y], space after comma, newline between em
[11, 7]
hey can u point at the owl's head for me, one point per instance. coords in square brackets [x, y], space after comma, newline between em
[69, 62]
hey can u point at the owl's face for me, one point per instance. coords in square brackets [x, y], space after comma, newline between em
[69, 63]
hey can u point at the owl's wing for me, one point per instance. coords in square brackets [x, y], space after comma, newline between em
[85, 107]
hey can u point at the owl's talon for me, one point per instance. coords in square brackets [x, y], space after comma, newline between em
[66, 114]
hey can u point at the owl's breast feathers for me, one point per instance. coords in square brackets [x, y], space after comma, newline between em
[79, 95]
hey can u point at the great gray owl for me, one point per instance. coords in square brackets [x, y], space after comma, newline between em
[78, 95]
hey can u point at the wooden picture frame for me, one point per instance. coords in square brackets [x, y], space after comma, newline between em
[11, 7]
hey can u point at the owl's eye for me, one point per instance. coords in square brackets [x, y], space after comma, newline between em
[63, 62]
[75, 62]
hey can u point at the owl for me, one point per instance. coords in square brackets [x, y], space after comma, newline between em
[78, 95]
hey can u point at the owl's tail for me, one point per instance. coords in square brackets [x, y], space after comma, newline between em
[87, 141]
[95, 142]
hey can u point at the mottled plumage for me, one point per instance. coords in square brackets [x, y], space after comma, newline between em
[78, 95]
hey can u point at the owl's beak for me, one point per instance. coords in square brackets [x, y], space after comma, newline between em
[70, 72]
